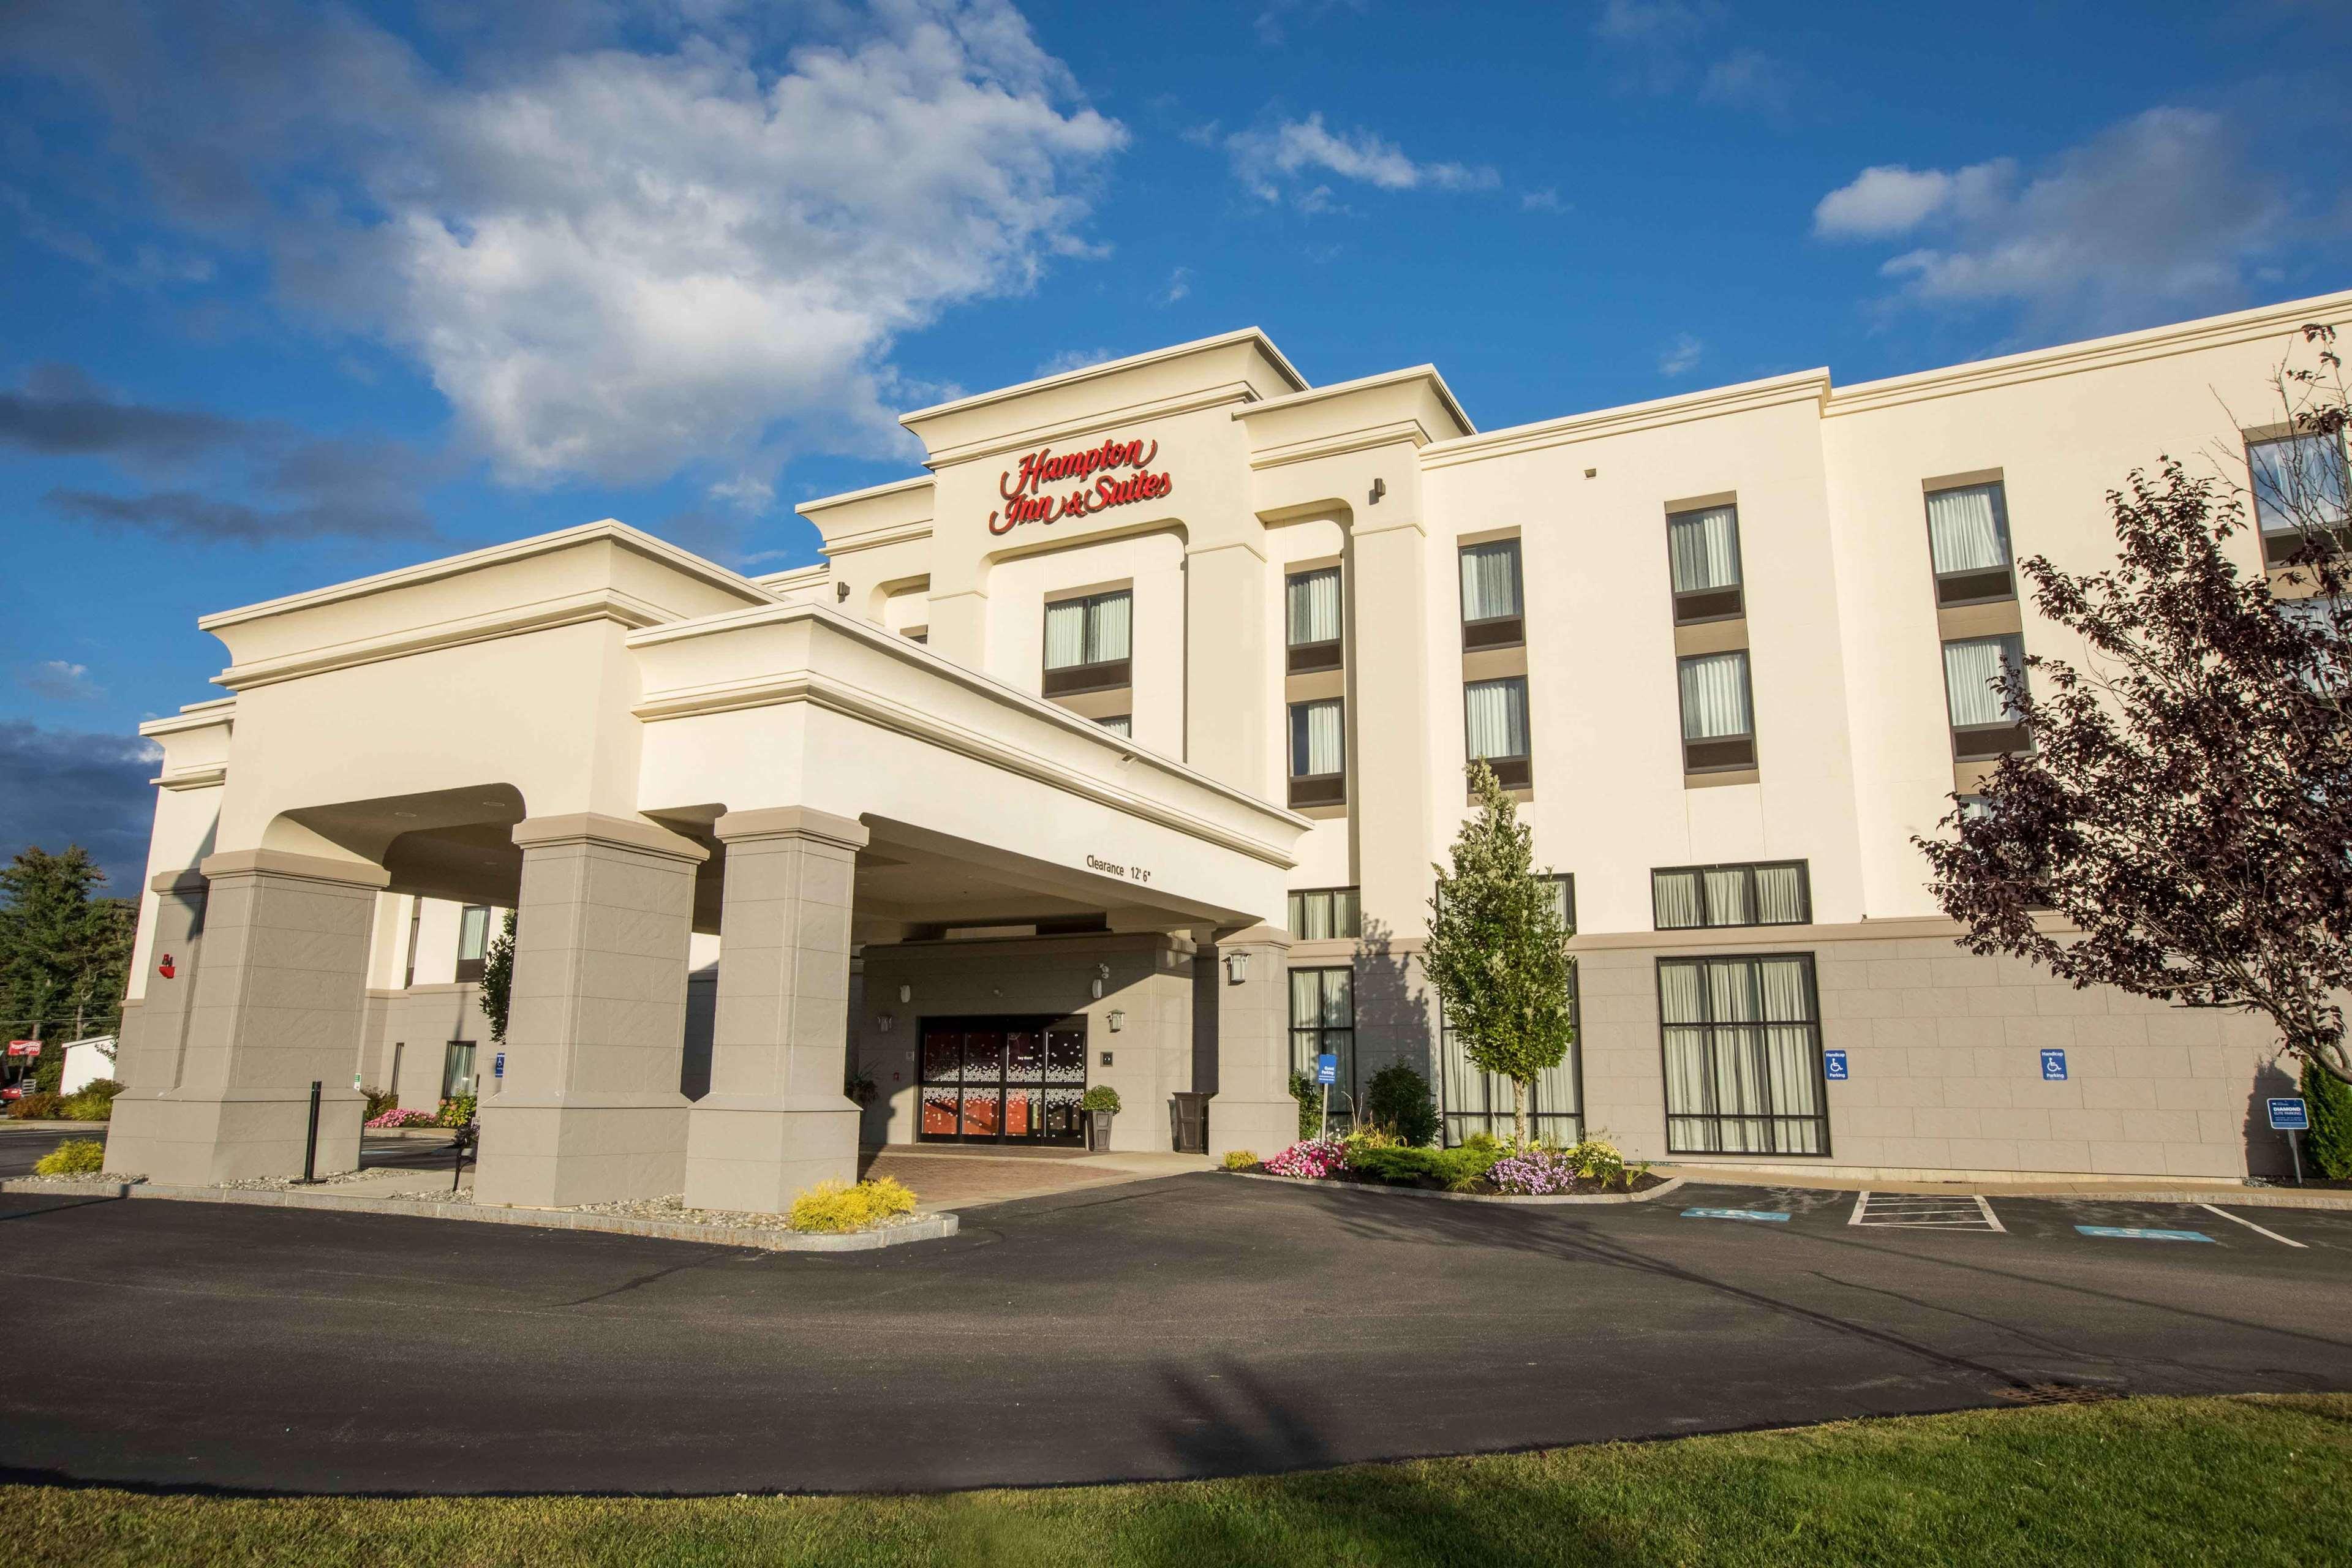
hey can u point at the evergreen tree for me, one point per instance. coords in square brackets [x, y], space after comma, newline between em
[1498, 950]
[497, 981]
[2328, 1147]
[64, 951]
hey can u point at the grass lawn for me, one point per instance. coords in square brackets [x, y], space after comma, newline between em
[2239, 1480]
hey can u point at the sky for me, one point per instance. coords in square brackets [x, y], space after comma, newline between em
[298, 293]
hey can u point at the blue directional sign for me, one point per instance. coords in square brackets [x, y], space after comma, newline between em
[1833, 1064]
[2289, 1116]
[2053, 1065]
[1733, 1213]
[2135, 1233]
[1326, 1069]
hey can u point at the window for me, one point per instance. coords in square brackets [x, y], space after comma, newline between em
[473, 941]
[1471, 1102]
[457, 1069]
[1743, 1057]
[1323, 1021]
[1491, 612]
[917, 634]
[415, 924]
[1312, 608]
[1119, 724]
[1967, 538]
[1769, 893]
[1325, 914]
[1984, 722]
[1564, 898]
[1494, 720]
[1318, 753]
[1703, 548]
[2298, 480]
[1087, 643]
[1718, 733]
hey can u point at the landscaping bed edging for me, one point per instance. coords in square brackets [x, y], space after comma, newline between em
[924, 1227]
[1660, 1189]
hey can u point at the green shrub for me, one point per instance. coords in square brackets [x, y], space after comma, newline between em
[1102, 1098]
[456, 1112]
[82, 1106]
[1240, 1159]
[380, 1100]
[1309, 1096]
[832, 1207]
[36, 1107]
[2328, 1147]
[74, 1157]
[1399, 1101]
[1481, 1140]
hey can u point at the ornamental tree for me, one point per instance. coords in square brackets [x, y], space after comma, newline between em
[497, 981]
[2186, 811]
[1498, 950]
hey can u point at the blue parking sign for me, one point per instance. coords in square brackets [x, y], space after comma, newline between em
[2053, 1065]
[1833, 1064]
[2289, 1116]
[498, 1064]
[1326, 1069]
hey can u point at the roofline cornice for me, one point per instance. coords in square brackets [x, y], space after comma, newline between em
[1714, 404]
[1111, 367]
[1427, 372]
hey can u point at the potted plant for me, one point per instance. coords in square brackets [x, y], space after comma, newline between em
[1100, 1104]
[862, 1087]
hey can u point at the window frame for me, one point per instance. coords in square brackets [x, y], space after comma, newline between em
[1513, 771]
[1495, 1113]
[2280, 544]
[1804, 868]
[1293, 908]
[1819, 1060]
[1493, 631]
[1734, 761]
[1952, 588]
[1983, 743]
[1315, 789]
[470, 969]
[1698, 606]
[1314, 657]
[1345, 1086]
[1104, 675]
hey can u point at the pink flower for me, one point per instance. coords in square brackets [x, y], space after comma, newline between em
[1314, 1159]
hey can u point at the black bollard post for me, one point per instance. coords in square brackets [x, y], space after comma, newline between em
[310, 1147]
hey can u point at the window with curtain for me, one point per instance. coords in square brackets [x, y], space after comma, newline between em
[1743, 1056]
[1497, 712]
[1703, 550]
[1984, 722]
[473, 941]
[1119, 724]
[1318, 753]
[1470, 1102]
[1967, 539]
[1564, 898]
[1326, 915]
[1312, 612]
[1323, 1020]
[2298, 478]
[1718, 732]
[1764, 893]
[1092, 630]
[1491, 608]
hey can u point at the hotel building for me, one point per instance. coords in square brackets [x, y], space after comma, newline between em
[1116, 748]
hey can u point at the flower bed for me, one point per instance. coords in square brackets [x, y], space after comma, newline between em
[1481, 1167]
[399, 1118]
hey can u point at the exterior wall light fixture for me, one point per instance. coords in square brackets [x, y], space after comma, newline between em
[906, 995]
[840, 592]
[1236, 968]
[883, 1021]
[1379, 488]
[1102, 973]
[1118, 1020]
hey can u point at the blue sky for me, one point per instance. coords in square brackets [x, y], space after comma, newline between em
[300, 292]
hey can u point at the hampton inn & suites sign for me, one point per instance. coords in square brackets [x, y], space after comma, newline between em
[1116, 473]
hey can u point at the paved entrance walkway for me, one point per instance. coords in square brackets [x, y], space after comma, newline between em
[950, 1177]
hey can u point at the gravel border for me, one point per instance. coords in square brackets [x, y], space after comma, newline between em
[1660, 1189]
[918, 1227]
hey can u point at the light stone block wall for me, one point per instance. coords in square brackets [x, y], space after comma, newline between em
[421, 1021]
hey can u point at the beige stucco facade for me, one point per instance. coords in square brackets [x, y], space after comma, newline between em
[768, 835]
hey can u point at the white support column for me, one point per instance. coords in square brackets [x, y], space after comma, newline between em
[777, 1120]
[1252, 1109]
[589, 1111]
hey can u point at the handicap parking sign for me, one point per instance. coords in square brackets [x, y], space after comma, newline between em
[2289, 1116]
[1833, 1064]
[2053, 1065]
[1326, 1069]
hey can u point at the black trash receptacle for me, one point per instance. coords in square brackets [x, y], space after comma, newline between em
[1188, 1118]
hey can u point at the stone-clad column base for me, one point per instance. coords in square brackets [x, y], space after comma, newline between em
[1252, 1109]
[206, 1142]
[777, 1121]
[561, 1154]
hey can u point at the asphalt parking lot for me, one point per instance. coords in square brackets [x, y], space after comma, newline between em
[1199, 1324]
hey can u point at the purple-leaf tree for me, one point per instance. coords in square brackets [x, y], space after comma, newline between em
[2182, 827]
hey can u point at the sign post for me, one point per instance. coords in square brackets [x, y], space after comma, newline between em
[1327, 1073]
[2291, 1116]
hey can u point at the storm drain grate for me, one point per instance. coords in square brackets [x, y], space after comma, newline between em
[1928, 1211]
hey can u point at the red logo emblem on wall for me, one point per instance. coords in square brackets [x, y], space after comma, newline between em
[165, 968]
[1025, 496]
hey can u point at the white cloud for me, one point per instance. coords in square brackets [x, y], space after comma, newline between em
[1071, 359]
[2162, 212]
[1748, 79]
[669, 237]
[1294, 154]
[1681, 355]
[1665, 47]
[62, 682]
[1180, 283]
[1546, 200]
[1273, 23]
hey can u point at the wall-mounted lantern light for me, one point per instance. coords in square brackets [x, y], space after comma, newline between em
[1118, 1020]
[1236, 967]
[840, 592]
[1102, 975]
[906, 995]
[883, 1021]
[1379, 488]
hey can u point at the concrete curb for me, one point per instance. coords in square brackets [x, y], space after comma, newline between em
[2260, 1198]
[924, 1227]
[34, 1124]
[1538, 1200]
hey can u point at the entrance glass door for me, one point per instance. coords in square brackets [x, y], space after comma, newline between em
[1002, 1081]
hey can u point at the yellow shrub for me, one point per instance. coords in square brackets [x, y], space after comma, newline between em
[1240, 1160]
[75, 1157]
[837, 1206]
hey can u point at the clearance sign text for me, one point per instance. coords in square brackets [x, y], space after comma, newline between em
[1026, 499]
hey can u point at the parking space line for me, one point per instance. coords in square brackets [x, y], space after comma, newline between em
[2249, 1225]
[1990, 1218]
[2140, 1233]
[1861, 1202]
[1733, 1213]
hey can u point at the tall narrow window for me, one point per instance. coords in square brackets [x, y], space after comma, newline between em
[415, 925]
[1491, 610]
[1743, 1056]
[1968, 535]
[1323, 1021]
[1087, 643]
[1494, 715]
[1703, 548]
[1718, 733]
[1325, 914]
[473, 941]
[1318, 753]
[2299, 480]
[1312, 611]
[1984, 722]
[457, 1069]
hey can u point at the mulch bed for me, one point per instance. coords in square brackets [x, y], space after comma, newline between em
[1482, 1188]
